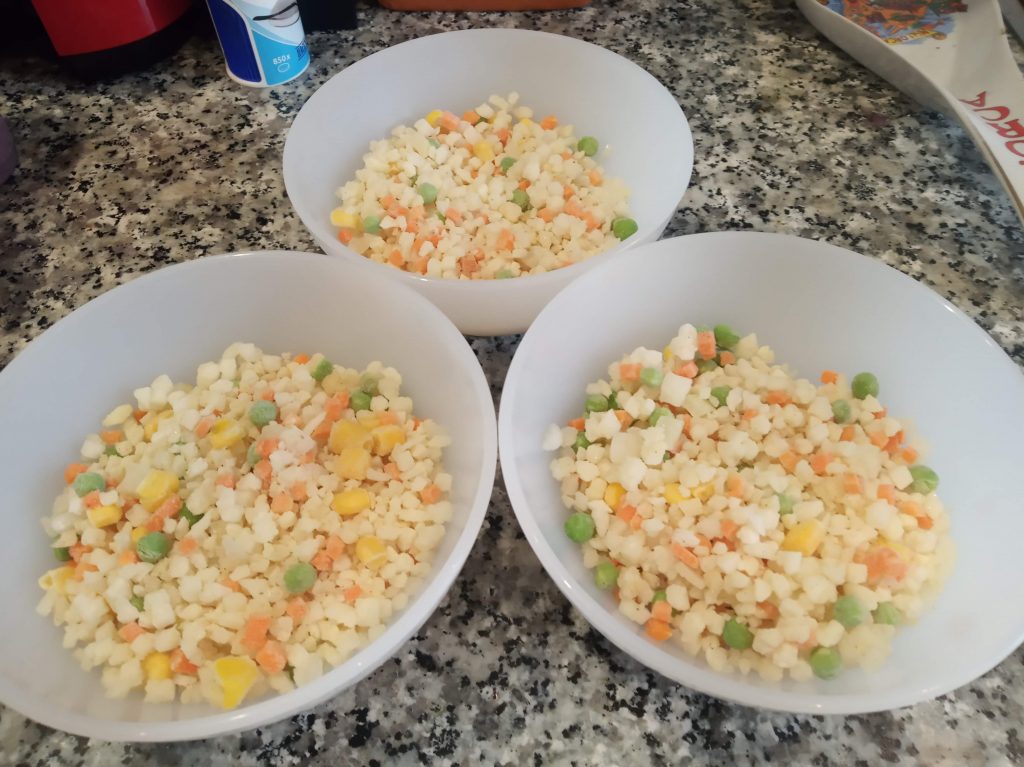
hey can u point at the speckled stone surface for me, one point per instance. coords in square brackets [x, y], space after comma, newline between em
[178, 162]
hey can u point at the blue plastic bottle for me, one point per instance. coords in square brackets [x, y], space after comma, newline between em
[263, 40]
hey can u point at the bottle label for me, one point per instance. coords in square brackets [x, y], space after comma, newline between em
[263, 40]
[280, 41]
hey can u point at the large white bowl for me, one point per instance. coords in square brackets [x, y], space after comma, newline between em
[169, 321]
[599, 92]
[820, 307]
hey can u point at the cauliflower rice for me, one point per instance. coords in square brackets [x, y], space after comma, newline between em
[240, 535]
[491, 195]
[754, 518]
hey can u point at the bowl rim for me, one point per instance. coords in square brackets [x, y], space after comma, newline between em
[550, 279]
[729, 687]
[369, 657]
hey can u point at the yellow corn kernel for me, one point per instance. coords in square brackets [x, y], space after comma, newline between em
[483, 151]
[236, 675]
[371, 552]
[137, 533]
[348, 434]
[56, 579]
[348, 503]
[387, 438]
[613, 495]
[149, 428]
[526, 121]
[433, 116]
[225, 433]
[155, 488]
[344, 219]
[352, 463]
[666, 353]
[804, 537]
[157, 665]
[703, 492]
[368, 418]
[672, 493]
[101, 516]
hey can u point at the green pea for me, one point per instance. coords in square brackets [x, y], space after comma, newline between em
[581, 442]
[322, 370]
[262, 412]
[440, 216]
[925, 479]
[521, 198]
[706, 366]
[111, 450]
[659, 596]
[588, 145]
[434, 142]
[849, 611]
[579, 527]
[371, 224]
[152, 547]
[299, 577]
[62, 553]
[863, 385]
[503, 274]
[235, 382]
[369, 384]
[887, 613]
[596, 403]
[841, 411]
[624, 228]
[657, 414]
[428, 192]
[785, 504]
[736, 635]
[606, 575]
[506, 163]
[613, 401]
[725, 337]
[137, 602]
[651, 376]
[721, 393]
[86, 482]
[825, 662]
[188, 516]
[360, 400]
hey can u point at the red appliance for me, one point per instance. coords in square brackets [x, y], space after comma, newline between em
[100, 38]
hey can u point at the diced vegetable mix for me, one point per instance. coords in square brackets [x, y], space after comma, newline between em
[787, 528]
[207, 557]
[492, 194]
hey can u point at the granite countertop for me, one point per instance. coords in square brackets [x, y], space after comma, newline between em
[178, 162]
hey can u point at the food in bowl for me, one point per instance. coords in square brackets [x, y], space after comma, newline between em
[491, 195]
[756, 519]
[226, 538]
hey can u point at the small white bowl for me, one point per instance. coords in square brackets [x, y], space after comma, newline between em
[600, 92]
[58, 388]
[819, 307]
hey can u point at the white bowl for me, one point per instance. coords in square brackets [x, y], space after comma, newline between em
[169, 321]
[599, 92]
[820, 307]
